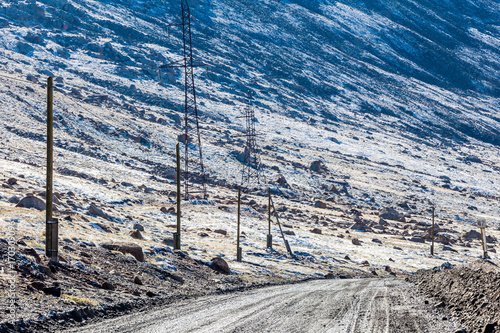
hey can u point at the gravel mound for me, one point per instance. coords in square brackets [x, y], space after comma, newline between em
[471, 293]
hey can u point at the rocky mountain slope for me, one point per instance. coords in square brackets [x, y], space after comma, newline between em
[398, 100]
[381, 82]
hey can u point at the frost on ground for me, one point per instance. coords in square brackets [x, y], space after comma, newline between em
[345, 85]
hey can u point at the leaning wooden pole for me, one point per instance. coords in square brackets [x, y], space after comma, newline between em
[432, 231]
[287, 245]
[177, 235]
[51, 225]
[238, 248]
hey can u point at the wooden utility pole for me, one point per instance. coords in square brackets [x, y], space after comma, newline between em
[177, 235]
[269, 236]
[483, 238]
[432, 231]
[51, 225]
[238, 248]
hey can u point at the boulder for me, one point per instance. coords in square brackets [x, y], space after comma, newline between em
[220, 265]
[130, 248]
[356, 241]
[320, 204]
[470, 235]
[94, 210]
[361, 226]
[100, 226]
[54, 291]
[32, 202]
[220, 231]
[136, 234]
[138, 281]
[38, 285]
[316, 231]
[14, 200]
[182, 138]
[417, 240]
[108, 286]
[290, 232]
[391, 214]
[281, 180]
[333, 189]
[138, 227]
[168, 242]
[12, 181]
[316, 166]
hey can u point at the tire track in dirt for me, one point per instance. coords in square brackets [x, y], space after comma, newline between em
[334, 306]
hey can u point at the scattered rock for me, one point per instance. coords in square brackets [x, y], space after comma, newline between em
[361, 226]
[100, 226]
[290, 232]
[54, 291]
[391, 214]
[356, 241]
[182, 138]
[317, 166]
[381, 221]
[220, 231]
[417, 240]
[365, 263]
[333, 189]
[168, 242]
[316, 231]
[474, 159]
[220, 265]
[94, 210]
[471, 235]
[38, 285]
[108, 286]
[12, 181]
[490, 328]
[378, 241]
[136, 234]
[448, 248]
[32, 252]
[14, 200]
[163, 209]
[32, 202]
[138, 227]
[281, 180]
[320, 204]
[150, 293]
[130, 248]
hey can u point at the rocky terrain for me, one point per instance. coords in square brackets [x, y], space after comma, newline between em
[368, 114]
[469, 292]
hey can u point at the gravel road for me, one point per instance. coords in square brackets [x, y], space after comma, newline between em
[364, 305]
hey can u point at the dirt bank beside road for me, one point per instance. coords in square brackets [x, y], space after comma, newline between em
[471, 293]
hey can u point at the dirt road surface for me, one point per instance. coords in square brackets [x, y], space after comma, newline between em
[363, 305]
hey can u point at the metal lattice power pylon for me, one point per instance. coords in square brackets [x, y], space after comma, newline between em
[191, 138]
[250, 172]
